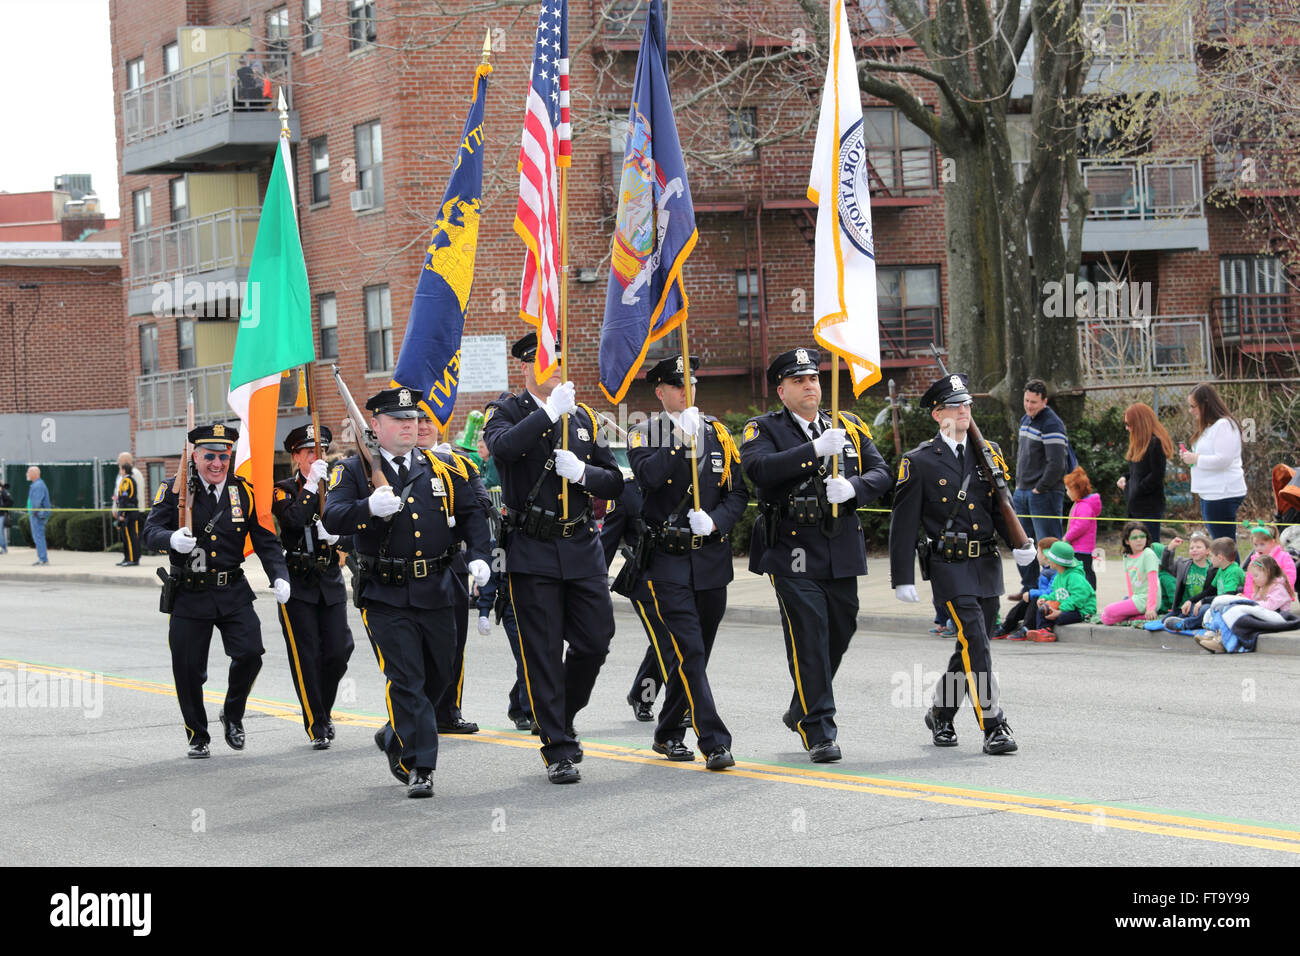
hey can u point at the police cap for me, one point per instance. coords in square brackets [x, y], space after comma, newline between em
[794, 362]
[213, 435]
[398, 402]
[950, 390]
[304, 436]
[669, 372]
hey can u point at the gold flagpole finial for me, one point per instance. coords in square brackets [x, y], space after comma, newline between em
[284, 114]
[487, 46]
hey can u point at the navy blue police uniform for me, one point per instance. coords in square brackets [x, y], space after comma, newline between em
[812, 555]
[211, 590]
[128, 510]
[314, 621]
[555, 569]
[946, 508]
[406, 587]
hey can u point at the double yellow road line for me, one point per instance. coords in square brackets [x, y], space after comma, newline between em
[1096, 815]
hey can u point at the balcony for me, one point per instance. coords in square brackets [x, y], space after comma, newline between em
[1226, 18]
[905, 336]
[1143, 349]
[1256, 168]
[205, 117]
[1255, 326]
[200, 263]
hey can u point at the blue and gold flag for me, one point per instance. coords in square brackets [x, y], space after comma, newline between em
[655, 230]
[429, 361]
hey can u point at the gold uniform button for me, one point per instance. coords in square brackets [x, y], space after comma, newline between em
[213, 553]
[974, 527]
[214, 537]
[417, 534]
[361, 526]
[418, 553]
[971, 507]
[410, 501]
[943, 481]
[670, 481]
[945, 499]
[414, 516]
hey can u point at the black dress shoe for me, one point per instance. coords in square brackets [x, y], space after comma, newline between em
[234, 732]
[199, 752]
[398, 773]
[563, 771]
[999, 740]
[420, 783]
[523, 722]
[720, 759]
[643, 711]
[828, 751]
[320, 743]
[458, 726]
[577, 757]
[942, 730]
[329, 730]
[120, 564]
[673, 750]
[791, 722]
[535, 730]
[130, 564]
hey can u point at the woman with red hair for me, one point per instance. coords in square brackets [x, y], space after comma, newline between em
[1149, 447]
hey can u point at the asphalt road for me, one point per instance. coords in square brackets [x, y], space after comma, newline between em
[1127, 757]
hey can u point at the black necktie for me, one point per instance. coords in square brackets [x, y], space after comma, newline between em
[402, 471]
[815, 429]
[212, 495]
[961, 459]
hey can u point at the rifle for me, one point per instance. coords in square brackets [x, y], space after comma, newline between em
[1015, 531]
[362, 437]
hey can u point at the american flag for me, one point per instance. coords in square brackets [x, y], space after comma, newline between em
[545, 148]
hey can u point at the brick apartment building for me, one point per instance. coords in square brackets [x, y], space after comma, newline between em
[378, 91]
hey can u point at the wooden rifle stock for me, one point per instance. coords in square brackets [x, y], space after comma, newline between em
[369, 458]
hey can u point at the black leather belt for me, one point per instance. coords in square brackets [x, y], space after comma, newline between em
[302, 562]
[199, 580]
[549, 526]
[406, 567]
[664, 543]
[974, 549]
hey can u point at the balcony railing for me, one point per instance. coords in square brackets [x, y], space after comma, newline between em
[909, 332]
[223, 240]
[161, 398]
[1143, 348]
[1143, 30]
[1257, 320]
[1255, 166]
[1141, 189]
[1225, 17]
[201, 91]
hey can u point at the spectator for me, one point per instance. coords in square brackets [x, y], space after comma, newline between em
[1215, 460]
[1225, 612]
[1264, 543]
[1025, 615]
[1071, 600]
[1043, 459]
[1142, 575]
[1193, 575]
[6, 502]
[1081, 531]
[38, 511]
[1226, 578]
[1149, 447]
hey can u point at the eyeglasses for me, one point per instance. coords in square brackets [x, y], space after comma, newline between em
[213, 456]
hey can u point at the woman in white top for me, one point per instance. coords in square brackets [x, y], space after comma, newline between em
[1215, 459]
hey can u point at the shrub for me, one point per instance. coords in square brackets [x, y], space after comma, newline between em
[85, 532]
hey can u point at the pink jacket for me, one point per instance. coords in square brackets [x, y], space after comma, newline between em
[1277, 597]
[1284, 562]
[1081, 532]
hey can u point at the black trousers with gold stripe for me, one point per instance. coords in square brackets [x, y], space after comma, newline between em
[319, 643]
[189, 640]
[448, 703]
[687, 625]
[819, 617]
[131, 524]
[649, 678]
[548, 613]
[970, 669]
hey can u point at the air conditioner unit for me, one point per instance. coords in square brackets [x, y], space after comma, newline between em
[362, 199]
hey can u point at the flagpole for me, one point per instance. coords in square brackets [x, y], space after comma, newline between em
[835, 419]
[564, 325]
[690, 400]
[315, 426]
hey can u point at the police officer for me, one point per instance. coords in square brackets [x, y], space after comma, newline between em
[314, 622]
[207, 586]
[807, 536]
[554, 566]
[690, 552]
[406, 536]
[128, 508]
[946, 490]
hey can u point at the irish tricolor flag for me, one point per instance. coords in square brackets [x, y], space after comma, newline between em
[274, 331]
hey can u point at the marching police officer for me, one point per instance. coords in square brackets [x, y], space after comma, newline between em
[554, 566]
[314, 622]
[207, 586]
[128, 508]
[947, 491]
[407, 531]
[690, 563]
[807, 536]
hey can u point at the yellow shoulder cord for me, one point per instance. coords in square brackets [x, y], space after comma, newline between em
[854, 427]
[444, 473]
[729, 451]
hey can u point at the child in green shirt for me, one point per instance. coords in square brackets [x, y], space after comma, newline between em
[1226, 577]
[1073, 597]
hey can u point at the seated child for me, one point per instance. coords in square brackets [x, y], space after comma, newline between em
[1225, 576]
[1141, 574]
[1024, 615]
[1072, 598]
[1263, 541]
[1226, 610]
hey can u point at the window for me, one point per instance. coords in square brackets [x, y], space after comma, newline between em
[185, 343]
[157, 476]
[1254, 295]
[311, 35]
[361, 24]
[142, 209]
[900, 155]
[908, 301]
[180, 201]
[329, 326]
[742, 131]
[320, 170]
[135, 73]
[171, 58]
[148, 349]
[379, 330]
[747, 295]
[370, 157]
[277, 30]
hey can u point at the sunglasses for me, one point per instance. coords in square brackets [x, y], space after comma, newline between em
[213, 456]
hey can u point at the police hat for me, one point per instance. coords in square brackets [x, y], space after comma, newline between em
[950, 390]
[398, 402]
[669, 372]
[526, 348]
[794, 362]
[304, 437]
[213, 435]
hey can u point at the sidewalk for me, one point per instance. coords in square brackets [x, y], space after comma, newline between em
[750, 599]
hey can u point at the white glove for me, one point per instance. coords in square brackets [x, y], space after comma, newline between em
[481, 572]
[443, 448]
[183, 541]
[568, 466]
[561, 401]
[829, 442]
[691, 421]
[485, 625]
[383, 502]
[701, 523]
[839, 490]
[1025, 555]
[316, 474]
[907, 594]
[281, 588]
[325, 535]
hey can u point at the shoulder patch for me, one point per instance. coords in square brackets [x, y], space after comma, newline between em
[904, 470]
[635, 438]
[280, 493]
[162, 490]
[492, 410]
[750, 432]
[336, 474]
